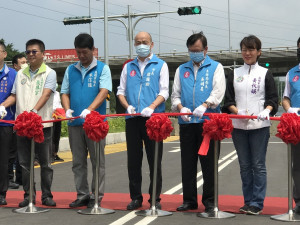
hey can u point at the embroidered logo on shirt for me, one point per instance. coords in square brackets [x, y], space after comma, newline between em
[132, 73]
[186, 74]
[239, 79]
[296, 78]
[23, 81]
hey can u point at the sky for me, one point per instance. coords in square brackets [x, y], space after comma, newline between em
[275, 22]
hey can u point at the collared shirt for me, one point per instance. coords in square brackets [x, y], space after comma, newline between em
[216, 95]
[287, 89]
[50, 82]
[103, 81]
[163, 81]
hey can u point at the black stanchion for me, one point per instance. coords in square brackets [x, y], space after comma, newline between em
[96, 210]
[154, 211]
[216, 214]
[31, 208]
[290, 215]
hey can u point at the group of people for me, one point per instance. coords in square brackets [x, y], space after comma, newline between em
[199, 87]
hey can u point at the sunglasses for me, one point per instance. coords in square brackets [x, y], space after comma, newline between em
[33, 52]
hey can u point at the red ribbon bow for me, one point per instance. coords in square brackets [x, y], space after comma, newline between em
[289, 128]
[29, 124]
[59, 113]
[159, 127]
[217, 128]
[95, 127]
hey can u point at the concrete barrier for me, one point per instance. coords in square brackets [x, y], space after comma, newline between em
[111, 138]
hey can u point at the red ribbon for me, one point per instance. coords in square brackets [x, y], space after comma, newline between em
[289, 128]
[29, 124]
[159, 127]
[217, 128]
[95, 127]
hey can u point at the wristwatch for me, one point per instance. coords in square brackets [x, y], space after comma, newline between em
[33, 110]
[208, 104]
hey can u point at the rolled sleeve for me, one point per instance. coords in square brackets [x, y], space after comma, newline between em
[105, 79]
[219, 86]
[65, 87]
[50, 82]
[164, 82]
[176, 92]
[123, 81]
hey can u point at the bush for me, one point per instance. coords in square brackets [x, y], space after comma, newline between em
[115, 125]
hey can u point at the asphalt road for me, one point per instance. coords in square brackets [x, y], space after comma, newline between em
[117, 182]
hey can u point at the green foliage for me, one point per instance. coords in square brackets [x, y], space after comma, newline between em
[112, 102]
[64, 129]
[115, 125]
[11, 51]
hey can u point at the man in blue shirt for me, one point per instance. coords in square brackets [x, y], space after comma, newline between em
[291, 104]
[84, 89]
[7, 78]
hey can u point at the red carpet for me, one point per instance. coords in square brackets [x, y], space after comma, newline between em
[119, 201]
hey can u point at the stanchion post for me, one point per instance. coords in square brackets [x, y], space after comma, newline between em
[290, 215]
[153, 211]
[31, 208]
[216, 214]
[96, 210]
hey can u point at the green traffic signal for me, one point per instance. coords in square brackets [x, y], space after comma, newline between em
[267, 64]
[193, 10]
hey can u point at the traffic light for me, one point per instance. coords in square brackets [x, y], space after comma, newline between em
[77, 20]
[193, 10]
[267, 64]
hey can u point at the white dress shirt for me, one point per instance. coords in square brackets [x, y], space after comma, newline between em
[216, 95]
[163, 81]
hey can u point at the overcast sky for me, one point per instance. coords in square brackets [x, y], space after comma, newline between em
[275, 22]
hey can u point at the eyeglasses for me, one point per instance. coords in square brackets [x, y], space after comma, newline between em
[28, 52]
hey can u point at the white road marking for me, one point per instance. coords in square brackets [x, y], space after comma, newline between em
[146, 220]
[125, 218]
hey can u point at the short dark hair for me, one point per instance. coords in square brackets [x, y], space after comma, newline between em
[36, 42]
[84, 40]
[3, 45]
[251, 42]
[195, 37]
[298, 42]
[16, 57]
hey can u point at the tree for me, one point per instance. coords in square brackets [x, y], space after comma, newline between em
[11, 51]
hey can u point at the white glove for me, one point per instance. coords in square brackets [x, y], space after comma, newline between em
[146, 112]
[3, 112]
[242, 112]
[84, 113]
[293, 110]
[131, 109]
[69, 113]
[185, 118]
[199, 111]
[264, 115]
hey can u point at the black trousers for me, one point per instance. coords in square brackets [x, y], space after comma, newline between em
[13, 160]
[190, 141]
[6, 133]
[56, 137]
[136, 135]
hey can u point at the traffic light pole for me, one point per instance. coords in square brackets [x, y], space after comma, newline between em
[130, 27]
